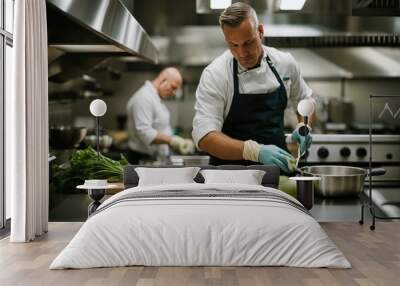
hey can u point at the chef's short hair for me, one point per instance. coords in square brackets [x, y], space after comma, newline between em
[235, 14]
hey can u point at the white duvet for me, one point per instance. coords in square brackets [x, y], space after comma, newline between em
[200, 231]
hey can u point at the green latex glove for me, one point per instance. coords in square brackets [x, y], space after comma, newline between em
[303, 141]
[271, 154]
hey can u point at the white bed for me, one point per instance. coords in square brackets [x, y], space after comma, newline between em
[185, 230]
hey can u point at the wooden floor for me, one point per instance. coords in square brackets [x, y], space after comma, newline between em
[374, 255]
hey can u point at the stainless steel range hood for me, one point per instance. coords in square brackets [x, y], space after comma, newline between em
[91, 31]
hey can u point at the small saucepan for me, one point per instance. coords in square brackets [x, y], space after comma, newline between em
[339, 180]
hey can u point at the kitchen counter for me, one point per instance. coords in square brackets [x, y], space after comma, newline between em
[349, 208]
[387, 200]
[336, 209]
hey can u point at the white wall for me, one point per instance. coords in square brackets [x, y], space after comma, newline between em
[359, 91]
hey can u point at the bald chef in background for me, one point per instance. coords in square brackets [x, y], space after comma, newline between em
[243, 94]
[149, 129]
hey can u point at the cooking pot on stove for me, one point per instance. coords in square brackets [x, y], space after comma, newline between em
[66, 137]
[339, 180]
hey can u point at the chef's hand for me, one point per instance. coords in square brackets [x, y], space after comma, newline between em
[303, 141]
[269, 154]
[187, 148]
[184, 146]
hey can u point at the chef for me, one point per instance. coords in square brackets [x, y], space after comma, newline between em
[242, 97]
[149, 129]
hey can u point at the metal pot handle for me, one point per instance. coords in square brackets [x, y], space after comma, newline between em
[375, 172]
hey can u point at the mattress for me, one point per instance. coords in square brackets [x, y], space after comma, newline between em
[201, 225]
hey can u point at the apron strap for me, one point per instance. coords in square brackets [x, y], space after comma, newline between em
[235, 77]
[273, 69]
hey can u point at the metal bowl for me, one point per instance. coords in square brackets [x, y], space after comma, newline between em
[105, 142]
[339, 180]
[189, 160]
[66, 137]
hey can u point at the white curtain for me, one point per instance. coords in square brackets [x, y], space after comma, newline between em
[27, 124]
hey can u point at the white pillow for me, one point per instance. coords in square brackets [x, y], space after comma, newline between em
[249, 177]
[163, 176]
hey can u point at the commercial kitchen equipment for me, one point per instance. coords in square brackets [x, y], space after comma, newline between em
[353, 150]
[382, 116]
[85, 33]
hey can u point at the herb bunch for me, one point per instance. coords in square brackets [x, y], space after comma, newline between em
[86, 164]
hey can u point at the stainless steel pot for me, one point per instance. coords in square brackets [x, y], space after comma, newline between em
[189, 160]
[339, 180]
[105, 142]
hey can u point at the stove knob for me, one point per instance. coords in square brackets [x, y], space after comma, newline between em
[345, 152]
[323, 153]
[361, 152]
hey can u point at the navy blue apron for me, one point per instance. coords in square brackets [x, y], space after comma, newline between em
[257, 117]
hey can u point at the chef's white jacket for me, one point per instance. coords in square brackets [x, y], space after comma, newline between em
[147, 116]
[215, 90]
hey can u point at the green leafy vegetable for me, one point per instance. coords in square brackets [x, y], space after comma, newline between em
[97, 167]
[86, 164]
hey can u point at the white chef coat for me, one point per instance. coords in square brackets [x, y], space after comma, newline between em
[214, 93]
[147, 116]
